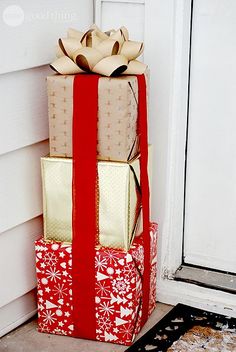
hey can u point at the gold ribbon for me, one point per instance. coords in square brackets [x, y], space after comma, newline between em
[106, 53]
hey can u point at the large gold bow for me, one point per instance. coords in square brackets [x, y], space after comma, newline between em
[106, 53]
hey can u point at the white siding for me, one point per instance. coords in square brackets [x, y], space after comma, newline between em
[23, 237]
[23, 120]
[20, 185]
[26, 50]
[17, 311]
[33, 42]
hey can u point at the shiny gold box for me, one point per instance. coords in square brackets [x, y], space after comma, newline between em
[119, 201]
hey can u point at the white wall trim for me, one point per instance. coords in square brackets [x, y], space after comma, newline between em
[18, 322]
[17, 312]
[173, 292]
[172, 232]
[169, 43]
[98, 8]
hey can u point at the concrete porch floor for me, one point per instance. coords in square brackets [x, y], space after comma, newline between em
[27, 339]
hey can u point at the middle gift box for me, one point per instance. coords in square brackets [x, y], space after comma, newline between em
[119, 195]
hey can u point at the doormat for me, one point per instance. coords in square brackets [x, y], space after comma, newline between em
[189, 329]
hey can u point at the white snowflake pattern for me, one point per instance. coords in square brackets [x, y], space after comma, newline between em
[129, 270]
[127, 331]
[60, 290]
[60, 331]
[50, 259]
[111, 256]
[43, 327]
[106, 308]
[100, 263]
[138, 254]
[53, 274]
[121, 285]
[102, 289]
[104, 323]
[48, 317]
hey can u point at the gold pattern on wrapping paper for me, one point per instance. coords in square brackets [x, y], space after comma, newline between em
[117, 214]
[115, 227]
[113, 115]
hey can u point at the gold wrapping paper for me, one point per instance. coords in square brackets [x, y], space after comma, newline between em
[119, 201]
[117, 116]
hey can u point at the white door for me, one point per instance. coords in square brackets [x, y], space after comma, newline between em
[210, 189]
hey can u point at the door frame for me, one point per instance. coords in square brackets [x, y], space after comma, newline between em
[170, 30]
[167, 46]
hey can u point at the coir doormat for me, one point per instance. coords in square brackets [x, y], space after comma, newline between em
[189, 329]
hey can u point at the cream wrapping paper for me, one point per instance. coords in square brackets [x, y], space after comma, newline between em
[117, 117]
[119, 212]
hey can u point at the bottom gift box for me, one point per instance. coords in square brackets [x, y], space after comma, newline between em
[118, 286]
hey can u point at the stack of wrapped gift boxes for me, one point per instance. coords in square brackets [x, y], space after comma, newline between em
[96, 265]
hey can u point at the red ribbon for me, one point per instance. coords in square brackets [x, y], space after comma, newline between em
[143, 133]
[84, 214]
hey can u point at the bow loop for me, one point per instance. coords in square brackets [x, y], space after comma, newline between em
[107, 53]
[131, 49]
[108, 47]
[86, 58]
[69, 45]
[74, 33]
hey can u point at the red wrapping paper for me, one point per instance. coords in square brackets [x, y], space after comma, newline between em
[118, 289]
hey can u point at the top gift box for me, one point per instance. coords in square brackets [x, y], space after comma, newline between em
[108, 54]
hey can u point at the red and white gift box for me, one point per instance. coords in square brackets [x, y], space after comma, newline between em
[118, 287]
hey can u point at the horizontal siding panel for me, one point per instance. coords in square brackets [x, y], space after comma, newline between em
[20, 185]
[38, 24]
[18, 243]
[25, 119]
[17, 312]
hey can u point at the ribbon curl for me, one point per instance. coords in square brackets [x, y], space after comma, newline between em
[106, 53]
